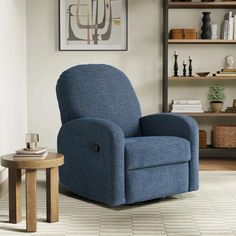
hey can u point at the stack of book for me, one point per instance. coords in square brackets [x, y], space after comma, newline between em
[229, 27]
[230, 109]
[226, 72]
[37, 153]
[186, 106]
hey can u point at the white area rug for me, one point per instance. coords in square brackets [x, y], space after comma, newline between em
[210, 211]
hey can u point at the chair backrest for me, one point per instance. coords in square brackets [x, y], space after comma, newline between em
[99, 91]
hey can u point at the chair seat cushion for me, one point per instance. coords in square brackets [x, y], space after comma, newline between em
[144, 152]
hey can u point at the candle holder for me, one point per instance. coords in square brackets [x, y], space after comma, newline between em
[184, 69]
[190, 68]
[176, 65]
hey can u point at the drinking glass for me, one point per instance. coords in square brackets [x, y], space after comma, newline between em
[31, 140]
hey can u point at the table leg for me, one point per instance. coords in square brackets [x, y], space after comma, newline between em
[31, 208]
[52, 194]
[15, 196]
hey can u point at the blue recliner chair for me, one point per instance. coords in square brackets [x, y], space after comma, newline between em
[112, 154]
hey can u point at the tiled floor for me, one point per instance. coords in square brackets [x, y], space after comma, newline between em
[210, 211]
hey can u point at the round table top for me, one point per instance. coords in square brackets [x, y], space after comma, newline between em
[52, 160]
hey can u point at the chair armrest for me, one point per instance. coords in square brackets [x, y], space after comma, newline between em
[183, 126]
[94, 159]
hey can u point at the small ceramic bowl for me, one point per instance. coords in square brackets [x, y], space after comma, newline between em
[202, 74]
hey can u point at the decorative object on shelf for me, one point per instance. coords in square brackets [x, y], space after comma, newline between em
[184, 68]
[216, 96]
[183, 34]
[224, 136]
[206, 27]
[228, 26]
[202, 139]
[202, 74]
[31, 140]
[181, 0]
[229, 62]
[176, 64]
[186, 106]
[214, 31]
[93, 25]
[190, 68]
[233, 108]
[227, 72]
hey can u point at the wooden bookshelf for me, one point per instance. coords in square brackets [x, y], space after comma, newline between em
[202, 5]
[198, 78]
[200, 41]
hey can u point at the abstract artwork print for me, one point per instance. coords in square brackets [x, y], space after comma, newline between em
[93, 24]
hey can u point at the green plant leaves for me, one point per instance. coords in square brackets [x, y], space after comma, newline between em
[216, 93]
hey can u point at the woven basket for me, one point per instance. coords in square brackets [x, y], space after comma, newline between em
[202, 139]
[224, 136]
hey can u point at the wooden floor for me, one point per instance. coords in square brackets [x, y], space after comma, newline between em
[217, 164]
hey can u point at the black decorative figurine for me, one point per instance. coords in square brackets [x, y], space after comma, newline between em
[184, 68]
[206, 27]
[176, 64]
[190, 68]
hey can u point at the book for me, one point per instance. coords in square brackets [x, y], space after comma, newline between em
[228, 70]
[188, 111]
[186, 108]
[225, 72]
[234, 20]
[231, 109]
[31, 156]
[225, 75]
[185, 102]
[194, 106]
[27, 151]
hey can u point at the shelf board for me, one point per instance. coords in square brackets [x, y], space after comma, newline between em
[210, 114]
[197, 78]
[200, 5]
[210, 147]
[201, 41]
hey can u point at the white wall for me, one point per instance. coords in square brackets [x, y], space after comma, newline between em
[13, 92]
[142, 62]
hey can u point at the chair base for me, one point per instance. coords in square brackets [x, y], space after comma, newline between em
[156, 182]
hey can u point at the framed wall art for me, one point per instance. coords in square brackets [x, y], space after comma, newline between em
[92, 25]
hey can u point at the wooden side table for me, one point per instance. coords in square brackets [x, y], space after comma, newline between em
[50, 163]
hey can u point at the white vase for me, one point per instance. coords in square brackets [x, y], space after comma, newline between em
[214, 31]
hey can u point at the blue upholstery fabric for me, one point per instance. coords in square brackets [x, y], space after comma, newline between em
[95, 175]
[179, 126]
[156, 182]
[143, 152]
[99, 91]
[114, 156]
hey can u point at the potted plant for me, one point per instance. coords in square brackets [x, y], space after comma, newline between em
[216, 96]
